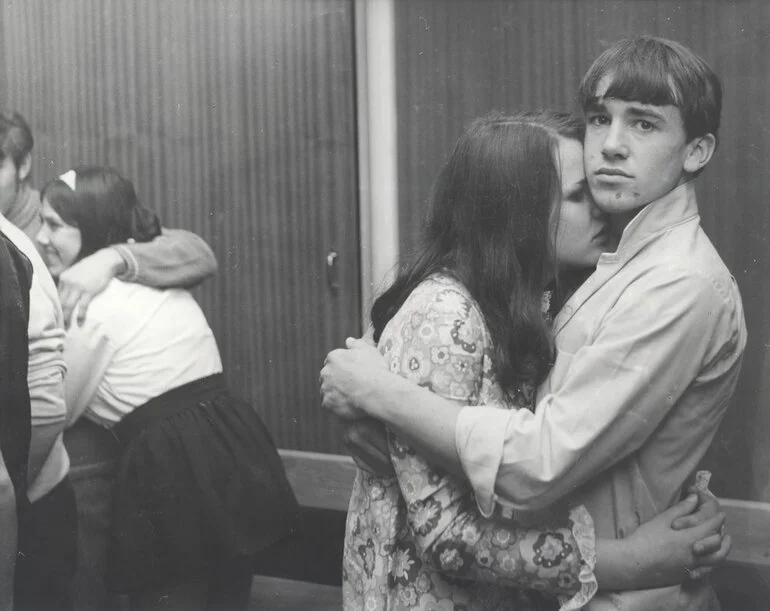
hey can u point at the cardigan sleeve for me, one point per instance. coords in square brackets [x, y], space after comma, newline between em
[175, 259]
[88, 352]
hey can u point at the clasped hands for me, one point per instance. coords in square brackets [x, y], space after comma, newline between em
[343, 384]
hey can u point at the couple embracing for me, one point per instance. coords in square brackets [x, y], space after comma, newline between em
[552, 364]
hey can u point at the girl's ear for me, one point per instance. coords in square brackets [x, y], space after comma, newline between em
[25, 167]
[699, 152]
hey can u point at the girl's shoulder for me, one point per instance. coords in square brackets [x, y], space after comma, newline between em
[119, 297]
[124, 307]
[443, 291]
[442, 300]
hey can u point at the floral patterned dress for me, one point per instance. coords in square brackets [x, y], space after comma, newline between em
[418, 540]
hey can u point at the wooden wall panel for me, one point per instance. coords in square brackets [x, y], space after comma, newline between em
[460, 58]
[235, 119]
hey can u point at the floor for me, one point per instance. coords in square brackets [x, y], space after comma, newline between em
[276, 594]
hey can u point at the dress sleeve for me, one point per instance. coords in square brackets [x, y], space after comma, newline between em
[440, 342]
[175, 259]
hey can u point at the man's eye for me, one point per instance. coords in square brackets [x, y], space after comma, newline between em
[645, 126]
[598, 120]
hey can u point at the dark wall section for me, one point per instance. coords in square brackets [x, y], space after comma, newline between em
[236, 120]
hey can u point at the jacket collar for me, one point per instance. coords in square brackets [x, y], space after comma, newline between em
[675, 208]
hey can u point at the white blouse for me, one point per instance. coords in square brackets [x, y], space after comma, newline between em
[136, 343]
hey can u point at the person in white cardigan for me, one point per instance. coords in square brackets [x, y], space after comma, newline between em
[199, 485]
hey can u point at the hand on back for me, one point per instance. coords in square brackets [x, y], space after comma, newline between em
[86, 279]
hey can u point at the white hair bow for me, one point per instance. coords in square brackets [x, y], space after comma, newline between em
[68, 178]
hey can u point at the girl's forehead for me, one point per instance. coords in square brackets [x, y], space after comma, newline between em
[48, 211]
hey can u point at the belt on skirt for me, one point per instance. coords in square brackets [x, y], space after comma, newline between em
[168, 404]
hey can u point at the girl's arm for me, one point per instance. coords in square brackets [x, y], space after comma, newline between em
[659, 553]
[175, 259]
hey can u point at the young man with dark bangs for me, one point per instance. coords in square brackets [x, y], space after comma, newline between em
[647, 351]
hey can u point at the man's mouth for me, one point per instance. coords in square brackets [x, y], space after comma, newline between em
[612, 172]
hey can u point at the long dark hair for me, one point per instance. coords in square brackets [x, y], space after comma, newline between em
[489, 224]
[104, 206]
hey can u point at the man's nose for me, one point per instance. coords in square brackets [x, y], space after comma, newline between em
[614, 145]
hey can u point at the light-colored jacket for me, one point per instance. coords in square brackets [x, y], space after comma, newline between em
[649, 351]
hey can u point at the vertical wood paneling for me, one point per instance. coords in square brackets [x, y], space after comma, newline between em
[460, 58]
[235, 119]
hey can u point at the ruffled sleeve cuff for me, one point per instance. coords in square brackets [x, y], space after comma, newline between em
[479, 440]
[585, 537]
[132, 266]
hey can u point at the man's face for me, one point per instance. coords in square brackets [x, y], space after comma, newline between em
[634, 153]
[9, 185]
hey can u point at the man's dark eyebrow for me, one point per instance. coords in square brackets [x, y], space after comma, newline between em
[637, 109]
[646, 111]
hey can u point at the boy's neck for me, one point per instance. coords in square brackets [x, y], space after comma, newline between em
[618, 222]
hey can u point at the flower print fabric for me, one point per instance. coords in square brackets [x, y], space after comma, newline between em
[418, 540]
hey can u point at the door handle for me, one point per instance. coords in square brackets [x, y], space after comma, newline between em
[332, 273]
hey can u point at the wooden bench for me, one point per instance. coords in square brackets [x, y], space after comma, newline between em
[323, 482]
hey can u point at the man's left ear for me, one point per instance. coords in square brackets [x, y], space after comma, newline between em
[25, 167]
[699, 152]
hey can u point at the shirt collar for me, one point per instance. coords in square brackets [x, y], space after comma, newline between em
[674, 207]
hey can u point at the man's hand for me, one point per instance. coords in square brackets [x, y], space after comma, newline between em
[79, 284]
[367, 442]
[345, 375]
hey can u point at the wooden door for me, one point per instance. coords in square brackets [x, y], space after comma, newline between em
[236, 120]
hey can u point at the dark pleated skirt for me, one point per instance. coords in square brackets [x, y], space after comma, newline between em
[199, 480]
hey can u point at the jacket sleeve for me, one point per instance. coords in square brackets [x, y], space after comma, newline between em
[616, 390]
[175, 259]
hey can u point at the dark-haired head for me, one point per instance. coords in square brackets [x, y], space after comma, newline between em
[103, 205]
[652, 70]
[489, 224]
[15, 159]
[15, 138]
